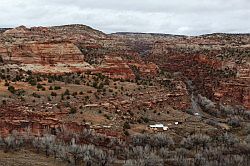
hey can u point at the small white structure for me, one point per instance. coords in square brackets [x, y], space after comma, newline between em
[196, 114]
[158, 127]
[176, 123]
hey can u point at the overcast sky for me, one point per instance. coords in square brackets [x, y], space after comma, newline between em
[190, 17]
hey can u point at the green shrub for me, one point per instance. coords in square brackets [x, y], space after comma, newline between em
[126, 125]
[126, 133]
[32, 82]
[36, 95]
[73, 110]
[11, 89]
[6, 84]
[1, 59]
[66, 92]
[57, 87]
[53, 94]
[39, 86]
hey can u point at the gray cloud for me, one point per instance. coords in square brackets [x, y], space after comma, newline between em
[190, 17]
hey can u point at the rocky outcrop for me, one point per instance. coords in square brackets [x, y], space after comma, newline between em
[217, 65]
[42, 50]
[42, 53]
[50, 57]
[115, 67]
[22, 118]
[233, 92]
[209, 61]
[70, 48]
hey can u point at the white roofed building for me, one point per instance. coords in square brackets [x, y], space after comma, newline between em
[159, 127]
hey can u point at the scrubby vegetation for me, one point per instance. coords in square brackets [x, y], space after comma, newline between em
[90, 148]
[117, 113]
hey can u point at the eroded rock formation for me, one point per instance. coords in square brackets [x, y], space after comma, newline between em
[216, 63]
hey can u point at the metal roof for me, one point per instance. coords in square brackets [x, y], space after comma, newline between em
[157, 126]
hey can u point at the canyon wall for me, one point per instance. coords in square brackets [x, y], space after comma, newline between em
[217, 64]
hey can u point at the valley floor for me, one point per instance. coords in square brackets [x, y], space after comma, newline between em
[27, 158]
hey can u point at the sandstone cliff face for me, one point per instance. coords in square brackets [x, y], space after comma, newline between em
[70, 48]
[42, 53]
[21, 118]
[39, 48]
[218, 67]
[218, 64]
[115, 67]
[47, 57]
[212, 62]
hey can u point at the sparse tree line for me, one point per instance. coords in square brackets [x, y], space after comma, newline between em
[196, 149]
[62, 147]
[98, 81]
[222, 110]
[90, 148]
[236, 117]
[1, 59]
[34, 78]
